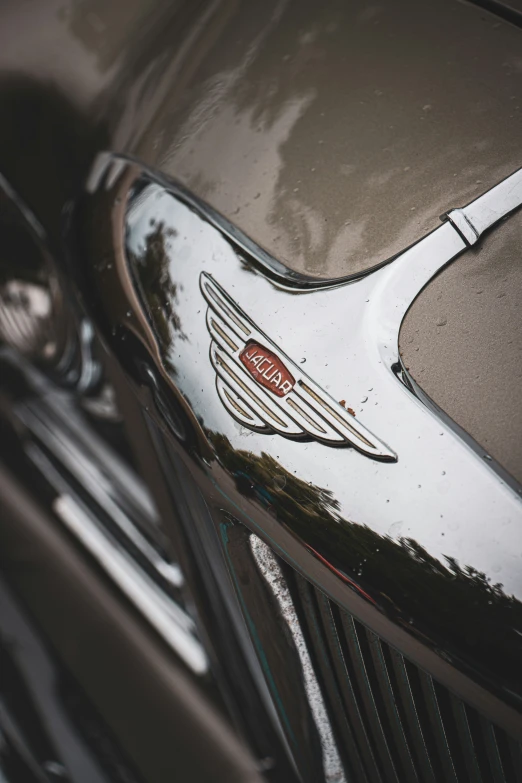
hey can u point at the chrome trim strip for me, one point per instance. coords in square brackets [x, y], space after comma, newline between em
[89, 474]
[488, 209]
[466, 229]
[234, 403]
[163, 614]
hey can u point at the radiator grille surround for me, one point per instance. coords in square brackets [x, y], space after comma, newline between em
[393, 721]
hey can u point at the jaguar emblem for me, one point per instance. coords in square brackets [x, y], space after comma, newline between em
[266, 369]
[264, 390]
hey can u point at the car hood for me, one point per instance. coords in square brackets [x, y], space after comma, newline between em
[334, 134]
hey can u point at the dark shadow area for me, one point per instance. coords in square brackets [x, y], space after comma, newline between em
[46, 147]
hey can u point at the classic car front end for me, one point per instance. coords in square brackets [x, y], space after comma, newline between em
[260, 398]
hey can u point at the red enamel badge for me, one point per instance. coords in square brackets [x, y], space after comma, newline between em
[267, 369]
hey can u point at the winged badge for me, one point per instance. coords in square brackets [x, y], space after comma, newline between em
[266, 391]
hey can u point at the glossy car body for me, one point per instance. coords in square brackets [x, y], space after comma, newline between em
[338, 601]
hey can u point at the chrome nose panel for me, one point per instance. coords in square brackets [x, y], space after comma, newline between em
[182, 295]
[342, 339]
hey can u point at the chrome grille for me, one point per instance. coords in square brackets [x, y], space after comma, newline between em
[394, 722]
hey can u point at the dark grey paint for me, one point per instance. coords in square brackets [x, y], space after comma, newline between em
[335, 134]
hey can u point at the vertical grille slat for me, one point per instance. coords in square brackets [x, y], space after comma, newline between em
[466, 740]
[492, 751]
[322, 651]
[349, 695]
[437, 724]
[354, 646]
[396, 724]
[430, 735]
[414, 723]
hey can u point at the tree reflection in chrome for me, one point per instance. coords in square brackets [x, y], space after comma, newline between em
[157, 286]
[458, 608]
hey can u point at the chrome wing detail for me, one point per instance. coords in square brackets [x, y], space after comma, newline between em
[304, 412]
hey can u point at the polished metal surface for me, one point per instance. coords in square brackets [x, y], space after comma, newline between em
[394, 543]
[343, 113]
[488, 209]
